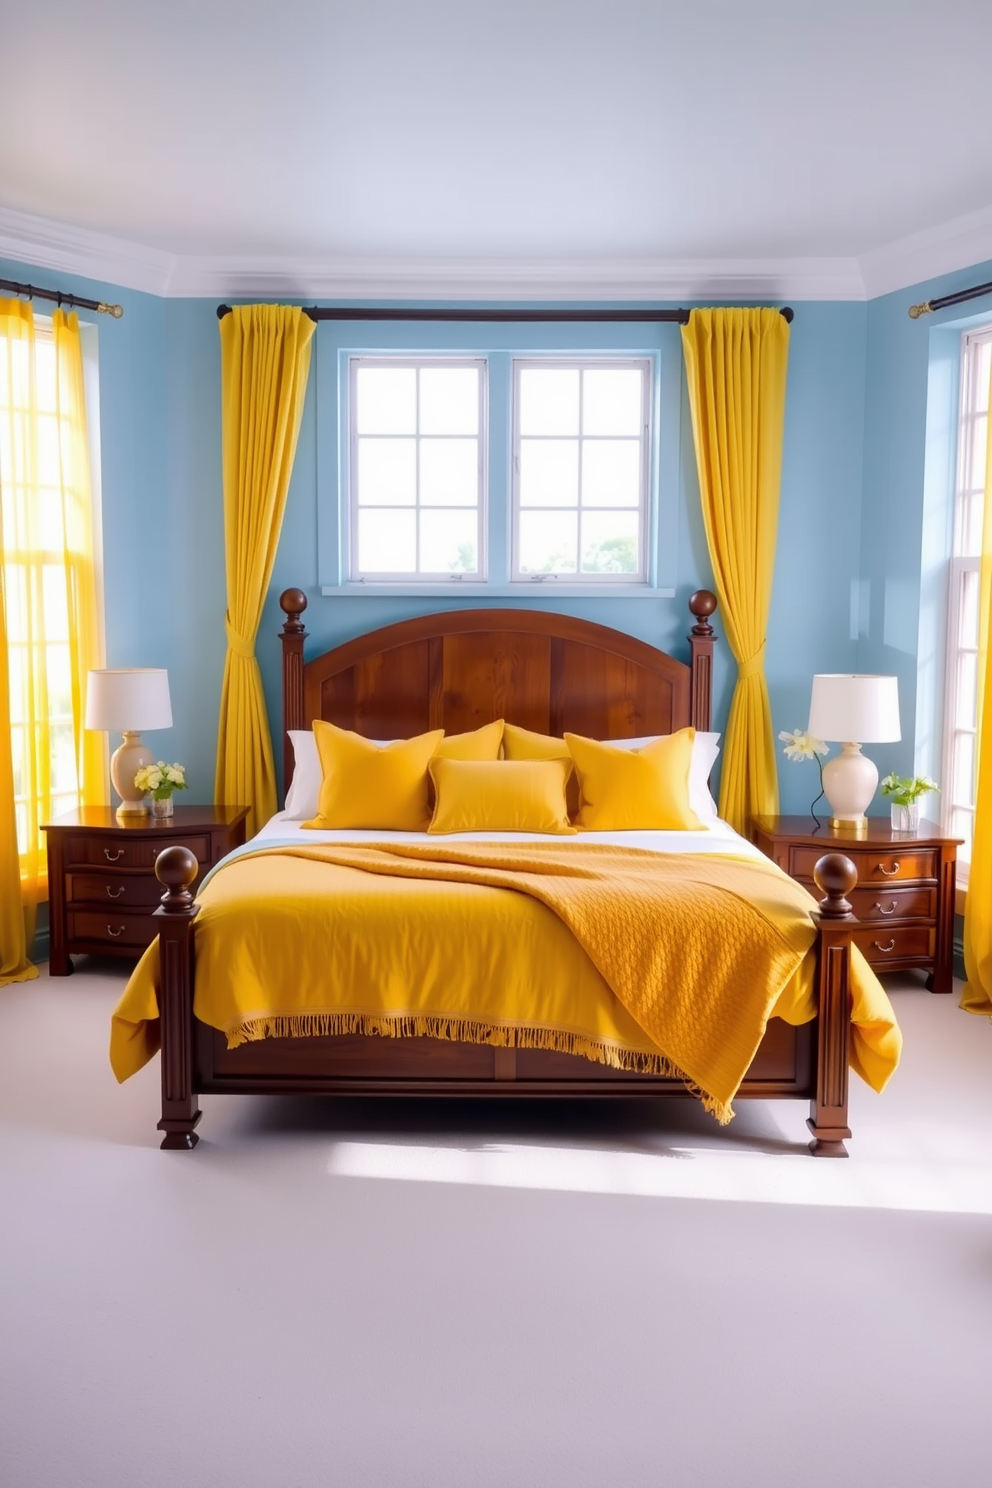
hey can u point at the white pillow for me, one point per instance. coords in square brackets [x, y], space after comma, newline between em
[304, 792]
[705, 748]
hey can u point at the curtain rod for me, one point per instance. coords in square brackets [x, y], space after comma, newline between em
[915, 311]
[537, 317]
[61, 298]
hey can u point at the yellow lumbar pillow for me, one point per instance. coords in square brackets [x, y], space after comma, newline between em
[481, 744]
[379, 786]
[630, 789]
[500, 796]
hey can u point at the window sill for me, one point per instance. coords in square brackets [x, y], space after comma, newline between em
[474, 590]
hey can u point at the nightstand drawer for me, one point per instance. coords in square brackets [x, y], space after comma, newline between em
[125, 890]
[900, 943]
[109, 928]
[139, 852]
[875, 865]
[886, 903]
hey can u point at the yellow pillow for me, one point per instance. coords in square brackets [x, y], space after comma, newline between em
[481, 744]
[380, 786]
[500, 796]
[525, 744]
[624, 790]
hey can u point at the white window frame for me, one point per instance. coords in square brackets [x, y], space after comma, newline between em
[569, 577]
[418, 362]
[958, 793]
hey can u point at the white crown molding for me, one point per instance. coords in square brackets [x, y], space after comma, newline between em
[77, 250]
[42, 243]
[568, 280]
[958, 244]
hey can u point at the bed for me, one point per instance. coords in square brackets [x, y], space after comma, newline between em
[460, 671]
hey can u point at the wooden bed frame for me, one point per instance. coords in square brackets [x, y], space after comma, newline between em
[457, 671]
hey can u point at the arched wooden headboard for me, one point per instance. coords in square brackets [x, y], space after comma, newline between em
[463, 668]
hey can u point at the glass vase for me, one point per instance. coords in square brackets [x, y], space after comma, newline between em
[906, 818]
[163, 808]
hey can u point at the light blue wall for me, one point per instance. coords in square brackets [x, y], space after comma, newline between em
[851, 517]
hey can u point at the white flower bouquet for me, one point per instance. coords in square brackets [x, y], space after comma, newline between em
[161, 779]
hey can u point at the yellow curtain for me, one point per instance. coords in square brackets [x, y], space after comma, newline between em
[51, 618]
[265, 362]
[736, 363]
[977, 996]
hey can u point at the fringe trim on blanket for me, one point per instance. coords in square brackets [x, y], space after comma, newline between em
[473, 1031]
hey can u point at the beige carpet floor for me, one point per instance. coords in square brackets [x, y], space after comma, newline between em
[457, 1296]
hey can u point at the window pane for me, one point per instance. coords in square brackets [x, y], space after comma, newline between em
[549, 400]
[387, 541]
[15, 581]
[387, 472]
[449, 472]
[611, 472]
[59, 680]
[63, 759]
[609, 542]
[387, 400]
[55, 602]
[970, 597]
[611, 401]
[449, 542]
[967, 699]
[549, 472]
[17, 760]
[449, 400]
[548, 541]
[964, 768]
[17, 658]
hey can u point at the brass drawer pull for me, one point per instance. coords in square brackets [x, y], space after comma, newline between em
[891, 909]
[883, 948]
[112, 858]
[889, 872]
[116, 893]
[115, 933]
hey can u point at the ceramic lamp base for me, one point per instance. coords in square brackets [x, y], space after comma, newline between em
[127, 760]
[849, 782]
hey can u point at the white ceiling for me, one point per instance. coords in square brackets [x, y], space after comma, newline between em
[572, 139]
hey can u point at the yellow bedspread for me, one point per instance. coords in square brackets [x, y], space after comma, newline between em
[668, 964]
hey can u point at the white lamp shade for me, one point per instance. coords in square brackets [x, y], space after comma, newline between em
[128, 699]
[847, 707]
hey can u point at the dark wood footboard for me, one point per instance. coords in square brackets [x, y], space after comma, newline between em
[809, 1062]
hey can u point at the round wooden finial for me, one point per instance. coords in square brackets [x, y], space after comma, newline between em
[835, 876]
[702, 604]
[176, 868]
[292, 602]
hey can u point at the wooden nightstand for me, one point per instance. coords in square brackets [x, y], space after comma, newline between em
[102, 888]
[905, 891]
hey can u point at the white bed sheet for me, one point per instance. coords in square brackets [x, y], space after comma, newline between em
[718, 837]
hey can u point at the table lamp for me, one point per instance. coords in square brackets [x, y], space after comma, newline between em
[845, 708]
[127, 700]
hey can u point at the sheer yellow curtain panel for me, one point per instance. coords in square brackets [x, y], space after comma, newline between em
[265, 363]
[977, 996]
[52, 632]
[736, 364]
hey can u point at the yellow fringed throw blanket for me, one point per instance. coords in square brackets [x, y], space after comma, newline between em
[667, 964]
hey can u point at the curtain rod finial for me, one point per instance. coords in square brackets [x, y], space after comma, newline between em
[915, 311]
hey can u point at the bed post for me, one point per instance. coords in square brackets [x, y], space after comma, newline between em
[701, 638]
[292, 602]
[176, 868]
[836, 876]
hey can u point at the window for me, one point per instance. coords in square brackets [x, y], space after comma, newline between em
[960, 727]
[49, 576]
[496, 461]
[580, 469]
[417, 467]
